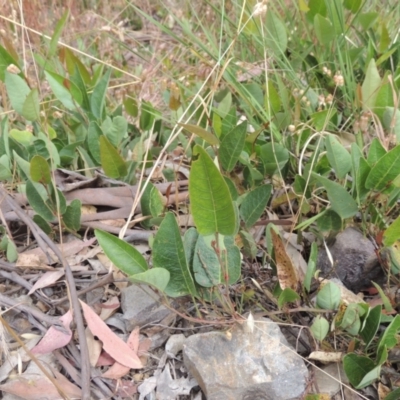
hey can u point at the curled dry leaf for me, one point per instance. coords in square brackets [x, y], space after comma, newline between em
[48, 278]
[112, 344]
[287, 274]
[55, 339]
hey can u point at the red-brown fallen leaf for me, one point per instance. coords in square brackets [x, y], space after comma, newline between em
[55, 339]
[105, 360]
[118, 370]
[36, 387]
[112, 344]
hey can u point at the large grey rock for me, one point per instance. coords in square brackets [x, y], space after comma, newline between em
[355, 261]
[245, 363]
[141, 305]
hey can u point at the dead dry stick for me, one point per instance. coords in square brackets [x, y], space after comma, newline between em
[44, 240]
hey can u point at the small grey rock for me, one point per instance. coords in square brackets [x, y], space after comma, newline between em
[244, 364]
[141, 305]
[355, 261]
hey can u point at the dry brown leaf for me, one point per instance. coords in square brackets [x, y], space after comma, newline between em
[287, 274]
[109, 308]
[326, 356]
[48, 278]
[112, 344]
[94, 347]
[26, 260]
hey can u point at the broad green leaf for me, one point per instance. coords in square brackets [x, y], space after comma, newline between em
[62, 89]
[113, 164]
[189, 243]
[287, 296]
[169, 253]
[209, 268]
[11, 252]
[392, 234]
[148, 114]
[393, 395]
[225, 105]
[156, 277]
[272, 101]
[76, 68]
[40, 170]
[57, 201]
[254, 204]
[358, 367]
[249, 248]
[316, 7]
[352, 5]
[98, 97]
[17, 90]
[329, 221]
[311, 266]
[42, 223]
[31, 107]
[201, 133]
[231, 146]
[384, 99]
[328, 298]
[320, 328]
[385, 171]
[24, 137]
[37, 202]
[341, 201]
[391, 121]
[275, 35]
[211, 203]
[6, 59]
[123, 255]
[338, 156]
[24, 166]
[370, 86]
[93, 140]
[5, 172]
[376, 151]
[351, 320]
[367, 19]
[371, 325]
[151, 203]
[57, 33]
[274, 157]
[72, 215]
[115, 130]
[50, 147]
[360, 177]
[390, 335]
[323, 29]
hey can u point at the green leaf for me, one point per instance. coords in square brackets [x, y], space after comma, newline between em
[17, 90]
[254, 204]
[249, 248]
[63, 89]
[113, 164]
[287, 296]
[338, 156]
[42, 223]
[189, 243]
[40, 170]
[72, 215]
[341, 201]
[201, 133]
[24, 137]
[156, 277]
[209, 268]
[275, 35]
[6, 59]
[274, 157]
[385, 171]
[390, 334]
[323, 29]
[37, 202]
[12, 252]
[151, 202]
[116, 131]
[211, 203]
[169, 253]
[231, 146]
[320, 328]
[393, 395]
[311, 266]
[352, 5]
[391, 121]
[376, 151]
[392, 234]
[123, 255]
[329, 221]
[93, 140]
[328, 297]
[57, 33]
[351, 320]
[272, 100]
[371, 325]
[148, 114]
[370, 86]
[358, 368]
[98, 97]
[31, 107]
